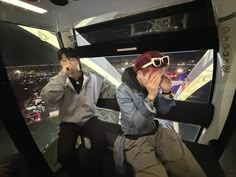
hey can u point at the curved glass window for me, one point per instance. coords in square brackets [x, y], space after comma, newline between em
[30, 58]
[191, 73]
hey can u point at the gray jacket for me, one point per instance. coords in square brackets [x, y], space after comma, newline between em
[73, 107]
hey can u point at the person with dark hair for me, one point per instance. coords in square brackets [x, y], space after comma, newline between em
[77, 93]
[151, 149]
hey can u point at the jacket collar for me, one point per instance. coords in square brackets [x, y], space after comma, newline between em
[86, 78]
[129, 77]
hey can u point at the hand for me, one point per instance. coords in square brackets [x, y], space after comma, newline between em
[68, 68]
[165, 83]
[152, 84]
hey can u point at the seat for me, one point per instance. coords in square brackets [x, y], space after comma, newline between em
[203, 154]
[206, 158]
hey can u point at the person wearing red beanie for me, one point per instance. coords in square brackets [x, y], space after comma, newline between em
[151, 149]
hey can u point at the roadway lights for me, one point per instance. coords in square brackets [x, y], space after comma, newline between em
[180, 70]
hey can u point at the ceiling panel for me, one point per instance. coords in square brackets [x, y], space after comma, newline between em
[62, 18]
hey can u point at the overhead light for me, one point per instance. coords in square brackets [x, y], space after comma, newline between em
[126, 49]
[25, 6]
[44, 35]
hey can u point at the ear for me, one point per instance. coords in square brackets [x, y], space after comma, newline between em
[139, 74]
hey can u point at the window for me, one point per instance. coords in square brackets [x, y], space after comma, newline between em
[30, 59]
[191, 73]
[102, 68]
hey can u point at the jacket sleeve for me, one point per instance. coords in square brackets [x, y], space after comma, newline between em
[54, 90]
[107, 97]
[129, 111]
[107, 91]
[163, 105]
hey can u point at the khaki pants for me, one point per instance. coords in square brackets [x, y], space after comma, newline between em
[161, 154]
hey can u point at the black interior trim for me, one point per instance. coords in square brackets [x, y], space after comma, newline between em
[200, 33]
[74, 37]
[107, 103]
[59, 38]
[213, 76]
[196, 5]
[172, 41]
[191, 113]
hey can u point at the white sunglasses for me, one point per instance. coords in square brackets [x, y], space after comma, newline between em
[157, 61]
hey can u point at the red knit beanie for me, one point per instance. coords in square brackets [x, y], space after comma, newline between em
[144, 59]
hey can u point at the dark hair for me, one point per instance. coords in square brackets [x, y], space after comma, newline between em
[68, 52]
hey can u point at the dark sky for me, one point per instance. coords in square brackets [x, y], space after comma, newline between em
[20, 47]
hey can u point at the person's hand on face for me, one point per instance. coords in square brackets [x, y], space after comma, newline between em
[69, 65]
[151, 82]
[165, 83]
[74, 63]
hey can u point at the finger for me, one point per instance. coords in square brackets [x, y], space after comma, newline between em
[68, 68]
[153, 76]
[71, 66]
[155, 79]
[155, 82]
